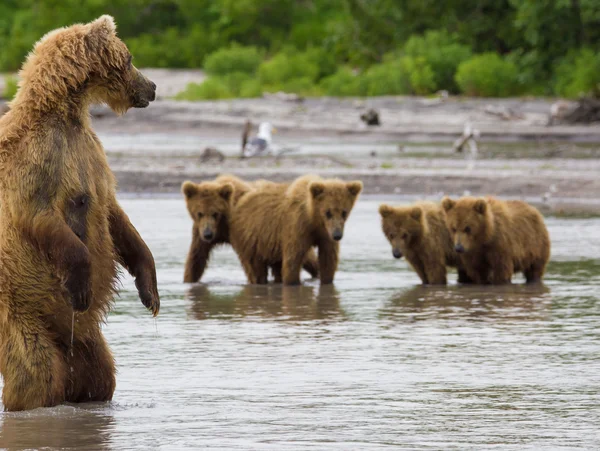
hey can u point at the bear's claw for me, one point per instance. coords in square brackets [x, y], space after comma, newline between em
[148, 293]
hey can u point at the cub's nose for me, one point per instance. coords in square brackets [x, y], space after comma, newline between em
[396, 253]
[208, 235]
[459, 248]
[337, 235]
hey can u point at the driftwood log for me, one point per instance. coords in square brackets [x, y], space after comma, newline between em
[212, 153]
[245, 135]
[370, 118]
[469, 136]
[585, 111]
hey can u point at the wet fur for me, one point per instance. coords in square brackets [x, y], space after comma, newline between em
[420, 233]
[269, 226]
[500, 238]
[208, 198]
[62, 232]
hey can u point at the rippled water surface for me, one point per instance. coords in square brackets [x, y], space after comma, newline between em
[373, 362]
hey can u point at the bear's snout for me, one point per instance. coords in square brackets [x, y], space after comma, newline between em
[396, 253]
[144, 91]
[208, 235]
[459, 248]
[337, 234]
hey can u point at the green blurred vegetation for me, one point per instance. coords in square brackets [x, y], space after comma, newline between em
[10, 87]
[342, 47]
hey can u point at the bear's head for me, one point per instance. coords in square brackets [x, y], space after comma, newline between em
[332, 201]
[470, 222]
[402, 226]
[208, 204]
[84, 64]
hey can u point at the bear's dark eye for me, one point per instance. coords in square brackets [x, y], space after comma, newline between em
[216, 215]
[453, 230]
[200, 215]
[328, 214]
[467, 230]
[392, 236]
[344, 214]
[404, 235]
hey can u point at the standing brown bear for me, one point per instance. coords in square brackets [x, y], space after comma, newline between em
[419, 233]
[496, 239]
[62, 231]
[270, 226]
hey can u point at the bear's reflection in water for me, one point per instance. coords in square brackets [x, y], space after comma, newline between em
[503, 302]
[62, 427]
[267, 301]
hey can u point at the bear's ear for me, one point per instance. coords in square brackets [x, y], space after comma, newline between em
[448, 204]
[189, 189]
[385, 210]
[416, 213]
[354, 187]
[480, 206]
[103, 26]
[226, 191]
[316, 189]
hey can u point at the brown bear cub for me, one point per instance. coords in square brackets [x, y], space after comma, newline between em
[420, 234]
[270, 227]
[496, 239]
[62, 232]
[209, 205]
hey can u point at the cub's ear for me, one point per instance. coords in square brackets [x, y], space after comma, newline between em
[385, 210]
[448, 204]
[316, 189]
[189, 189]
[480, 206]
[416, 213]
[355, 187]
[226, 191]
[103, 26]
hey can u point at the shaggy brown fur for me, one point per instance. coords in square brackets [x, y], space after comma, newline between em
[419, 233]
[62, 231]
[269, 227]
[496, 239]
[209, 205]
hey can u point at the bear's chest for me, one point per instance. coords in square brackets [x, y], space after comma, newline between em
[85, 171]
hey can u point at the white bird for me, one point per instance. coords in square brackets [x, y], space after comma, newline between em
[261, 143]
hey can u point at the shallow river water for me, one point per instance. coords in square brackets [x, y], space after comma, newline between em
[373, 362]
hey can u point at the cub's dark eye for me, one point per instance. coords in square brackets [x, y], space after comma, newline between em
[328, 214]
[404, 235]
[392, 236]
[215, 215]
[467, 229]
[200, 215]
[344, 214]
[453, 230]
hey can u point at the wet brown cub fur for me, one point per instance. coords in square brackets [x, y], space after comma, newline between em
[62, 231]
[270, 226]
[210, 205]
[496, 239]
[419, 233]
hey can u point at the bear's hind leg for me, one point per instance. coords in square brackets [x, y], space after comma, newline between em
[276, 271]
[93, 371]
[534, 273]
[33, 368]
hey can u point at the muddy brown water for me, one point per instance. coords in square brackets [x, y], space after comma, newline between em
[373, 362]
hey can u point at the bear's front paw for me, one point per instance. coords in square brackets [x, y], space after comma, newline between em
[148, 291]
[78, 286]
